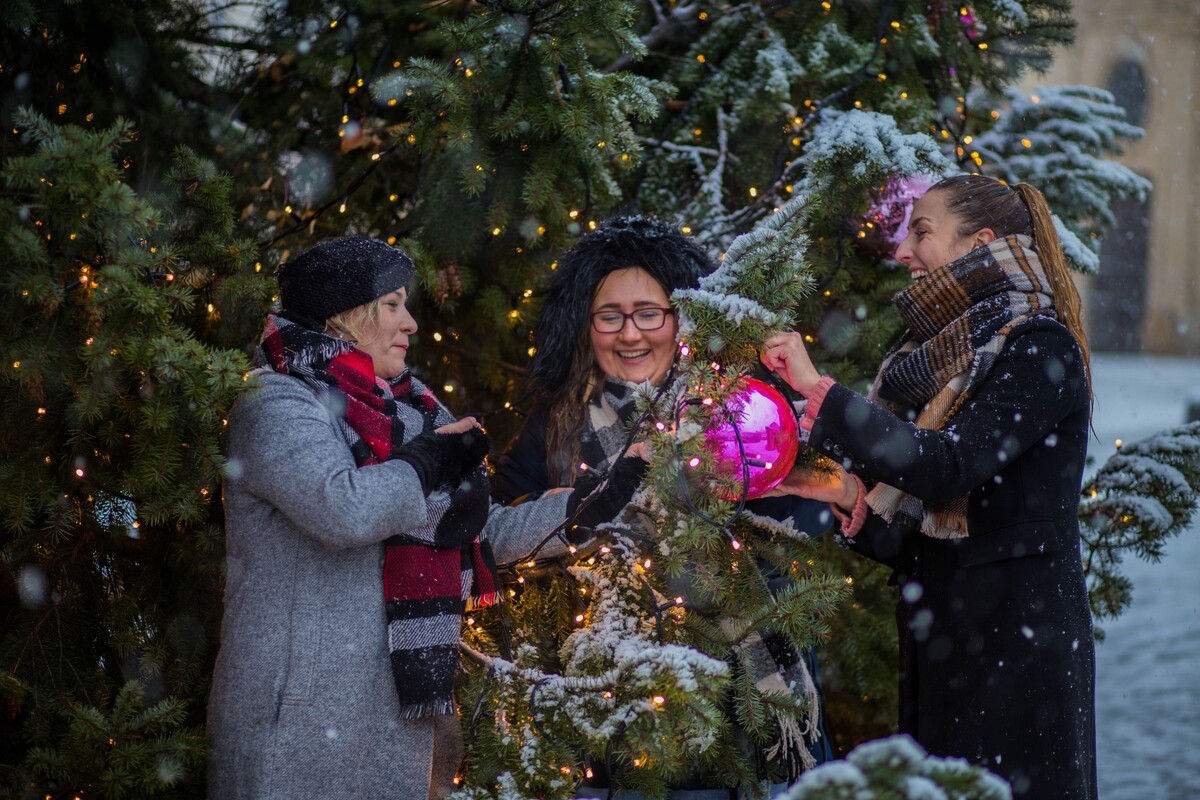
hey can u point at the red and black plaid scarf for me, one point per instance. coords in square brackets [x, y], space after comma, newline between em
[427, 587]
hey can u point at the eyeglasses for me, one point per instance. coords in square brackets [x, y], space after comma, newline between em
[644, 319]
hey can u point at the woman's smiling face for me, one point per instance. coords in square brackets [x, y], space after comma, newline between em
[632, 354]
[933, 240]
[386, 338]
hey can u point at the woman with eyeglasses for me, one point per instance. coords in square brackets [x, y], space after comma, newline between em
[606, 326]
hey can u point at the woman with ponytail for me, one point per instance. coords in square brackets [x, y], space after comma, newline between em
[961, 470]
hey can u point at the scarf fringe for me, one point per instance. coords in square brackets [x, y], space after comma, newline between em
[947, 521]
[791, 747]
[795, 740]
[431, 708]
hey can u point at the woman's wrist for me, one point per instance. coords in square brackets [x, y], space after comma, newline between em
[807, 383]
[849, 494]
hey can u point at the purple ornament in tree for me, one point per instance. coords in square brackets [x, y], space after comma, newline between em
[767, 427]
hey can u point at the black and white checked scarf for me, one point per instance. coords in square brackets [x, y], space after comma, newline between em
[959, 317]
[427, 584]
[610, 413]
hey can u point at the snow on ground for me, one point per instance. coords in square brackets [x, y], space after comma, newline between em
[1147, 682]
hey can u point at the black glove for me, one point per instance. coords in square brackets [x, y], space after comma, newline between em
[441, 458]
[599, 505]
[467, 514]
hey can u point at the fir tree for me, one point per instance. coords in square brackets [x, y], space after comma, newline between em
[484, 138]
[112, 407]
[152, 64]
[1143, 495]
[1057, 139]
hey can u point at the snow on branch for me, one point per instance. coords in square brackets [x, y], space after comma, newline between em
[1060, 139]
[868, 149]
[897, 767]
[761, 277]
[1144, 494]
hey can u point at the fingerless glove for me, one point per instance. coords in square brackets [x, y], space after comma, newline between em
[599, 499]
[444, 458]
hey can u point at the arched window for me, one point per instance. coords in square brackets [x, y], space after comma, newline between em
[1127, 82]
[1117, 302]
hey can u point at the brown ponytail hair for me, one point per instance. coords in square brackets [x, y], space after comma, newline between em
[981, 202]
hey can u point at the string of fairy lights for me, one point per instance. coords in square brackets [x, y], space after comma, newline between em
[953, 130]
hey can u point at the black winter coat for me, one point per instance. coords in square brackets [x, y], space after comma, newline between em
[996, 652]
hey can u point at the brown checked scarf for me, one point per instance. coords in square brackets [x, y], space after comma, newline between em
[958, 317]
[427, 584]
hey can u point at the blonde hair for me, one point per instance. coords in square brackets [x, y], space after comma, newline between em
[355, 322]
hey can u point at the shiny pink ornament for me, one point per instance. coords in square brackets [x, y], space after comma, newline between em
[769, 437]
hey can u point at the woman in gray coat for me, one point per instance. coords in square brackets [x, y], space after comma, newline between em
[358, 531]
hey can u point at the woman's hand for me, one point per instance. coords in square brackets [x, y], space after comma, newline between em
[446, 455]
[785, 354]
[639, 450]
[461, 426]
[838, 487]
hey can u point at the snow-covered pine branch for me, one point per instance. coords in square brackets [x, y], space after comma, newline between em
[897, 767]
[866, 149]
[1144, 494]
[761, 277]
[1060, 139]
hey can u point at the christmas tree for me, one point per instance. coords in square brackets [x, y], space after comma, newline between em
[113, 406]
[484, 138]
[675, 606]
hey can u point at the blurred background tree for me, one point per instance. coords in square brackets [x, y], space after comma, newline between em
[483, 137]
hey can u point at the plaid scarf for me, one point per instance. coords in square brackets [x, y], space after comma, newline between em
[427, 585]
[609, 414]
[959, 318]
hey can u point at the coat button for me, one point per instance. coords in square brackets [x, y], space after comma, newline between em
[827, 444]
[837, 450]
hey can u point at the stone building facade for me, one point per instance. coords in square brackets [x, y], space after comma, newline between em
[1146, 296]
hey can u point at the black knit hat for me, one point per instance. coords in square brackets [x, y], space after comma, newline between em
[671, 258]
[340, 274]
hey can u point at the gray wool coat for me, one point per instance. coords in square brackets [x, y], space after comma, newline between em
[303, 703]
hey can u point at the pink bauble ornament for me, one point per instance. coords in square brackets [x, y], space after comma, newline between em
[769, 437]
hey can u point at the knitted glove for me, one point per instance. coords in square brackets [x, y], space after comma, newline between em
[441, 458]
[467, 514]
[599, 504]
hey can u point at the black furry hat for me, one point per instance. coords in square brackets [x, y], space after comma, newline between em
[340, 274]
[671, 258]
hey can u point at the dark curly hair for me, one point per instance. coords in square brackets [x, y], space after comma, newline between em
[563, 372]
